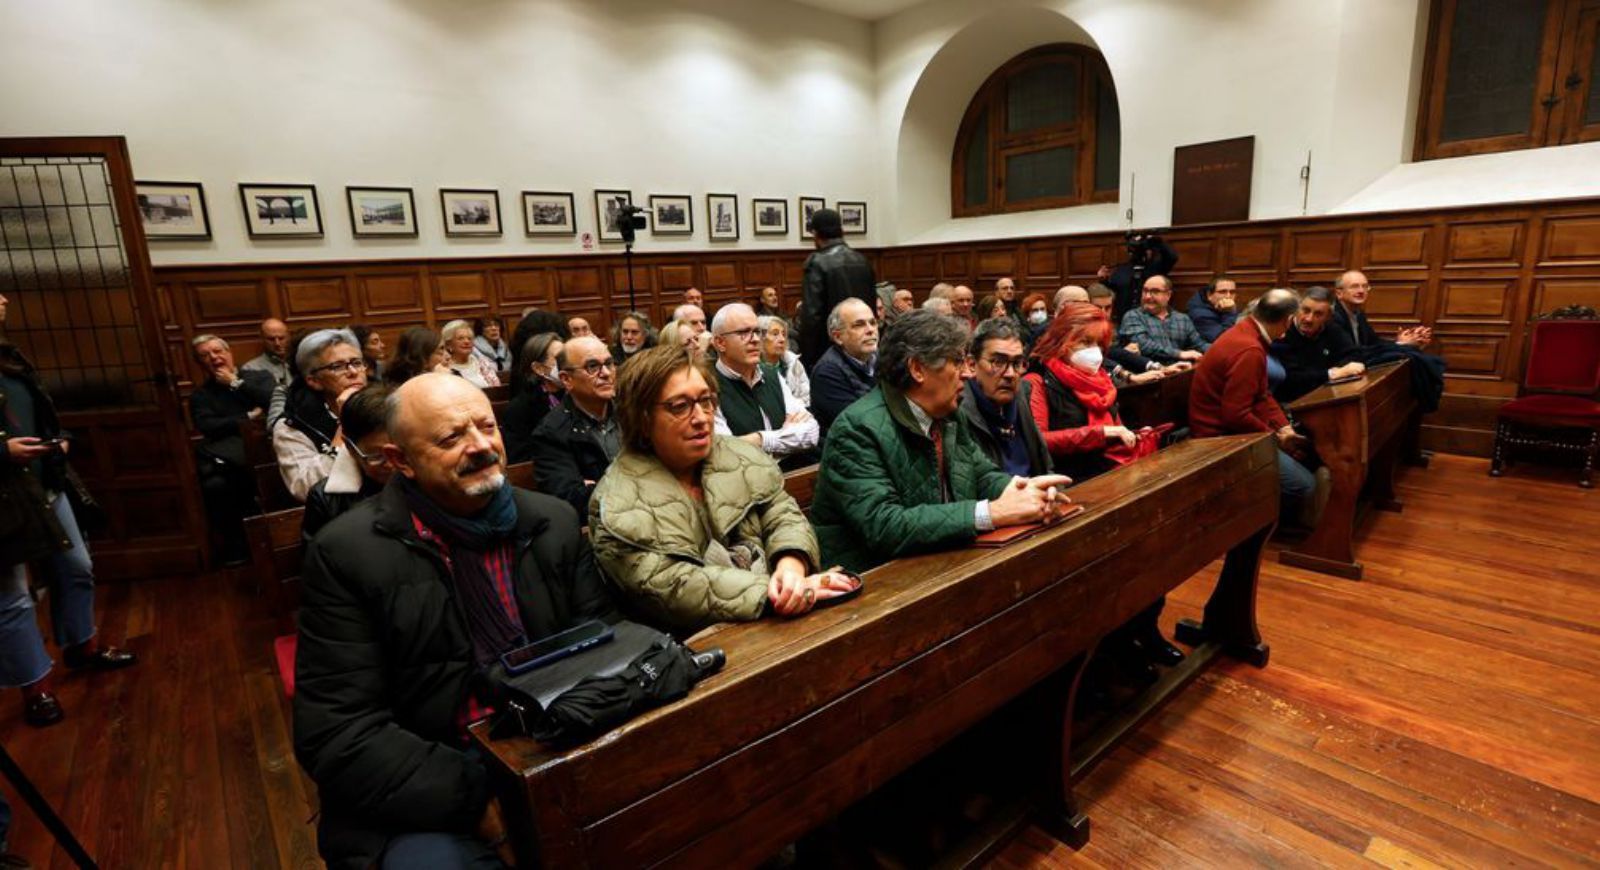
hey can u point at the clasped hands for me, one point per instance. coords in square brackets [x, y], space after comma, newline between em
[1031, 500]
[1416, 336]
[792, 591]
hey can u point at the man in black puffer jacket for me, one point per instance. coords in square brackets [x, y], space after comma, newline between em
[834, 273]
[408, 598]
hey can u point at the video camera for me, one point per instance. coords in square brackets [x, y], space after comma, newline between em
[1142, 243]
[630, 219]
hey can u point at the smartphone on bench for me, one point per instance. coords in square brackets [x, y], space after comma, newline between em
[557, 646]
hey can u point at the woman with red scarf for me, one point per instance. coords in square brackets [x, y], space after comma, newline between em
[1074, 403]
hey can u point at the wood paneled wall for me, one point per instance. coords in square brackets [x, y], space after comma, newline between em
[1476, 275]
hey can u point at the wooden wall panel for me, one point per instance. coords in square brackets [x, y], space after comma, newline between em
[1571, 240]
[675, 279]
[381, 294]
[312, 299]
[520, 288]
[722, 276]
[236, 302]
[953, 266]
[457, 291]
[1044, 265]
[1475, 245]
[1396, 246]
[1476, 301]
[996, 264]
[1550, 295]
[1319, 251]
[1250, 253]
[1394, 301]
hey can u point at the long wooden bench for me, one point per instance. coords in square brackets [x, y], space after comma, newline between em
[812, 714]
[1359, 429]
[1157, 402]
[802, 484]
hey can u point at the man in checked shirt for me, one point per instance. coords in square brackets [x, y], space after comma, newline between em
[1155, 331]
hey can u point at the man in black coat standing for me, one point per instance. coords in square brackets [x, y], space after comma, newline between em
[834, 273]
[409, 597]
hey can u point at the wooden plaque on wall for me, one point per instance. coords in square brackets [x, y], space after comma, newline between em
[1211, 181]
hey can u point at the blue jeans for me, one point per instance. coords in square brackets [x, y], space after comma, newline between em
[1294, 480]
[70, 575]
[438, 851]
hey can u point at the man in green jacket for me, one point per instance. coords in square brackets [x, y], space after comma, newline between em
[900, 475]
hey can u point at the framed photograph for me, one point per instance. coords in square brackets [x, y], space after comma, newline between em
[853, 217]
[771, 216]
[470, 212]
[545, 213]
[671, 215]
[172, 210]
[382, 211]
[722, 215]
[808, 207]
[607, 208]
[281, 211]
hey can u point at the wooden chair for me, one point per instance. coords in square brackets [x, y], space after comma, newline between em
[270, 489]
[1556, 407]
[276, 551]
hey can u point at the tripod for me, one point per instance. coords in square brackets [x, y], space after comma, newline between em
[41, 808]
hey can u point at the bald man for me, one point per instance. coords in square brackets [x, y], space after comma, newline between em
[1069, 293]
[274, 358]
[575, 443]
[407, 598]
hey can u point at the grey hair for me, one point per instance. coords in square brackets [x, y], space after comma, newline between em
[1318, 294]
[938, 304]
[836, 319]
[994, 329]
[764, 322]
[194, 343]
[450, 330]
[1276, 305]
[679, 313]
[1338, 283]
[941, 290]
[926, 336]
[728, 311]
[313, 346]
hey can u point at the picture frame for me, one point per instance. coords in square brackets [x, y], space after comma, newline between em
[852, 217]
[281, 211]
[173, 210]
[470, 211]
[671, 215]
[605, 212]
[722, 217]
[808, 206]
[382, 212]
[549, 213]
[769, 217]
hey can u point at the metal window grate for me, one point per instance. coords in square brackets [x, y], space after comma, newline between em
[64, 271]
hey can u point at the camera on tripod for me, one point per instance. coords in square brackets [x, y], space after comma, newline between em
[630, 219]
[1142, 243]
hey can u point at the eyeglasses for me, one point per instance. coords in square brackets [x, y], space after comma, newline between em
[371, 460]
[681, 407]
[593, 367]
[348, 366]
[1003, 364]
[741, 334]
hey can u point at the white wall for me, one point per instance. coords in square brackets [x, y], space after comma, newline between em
[765, 99]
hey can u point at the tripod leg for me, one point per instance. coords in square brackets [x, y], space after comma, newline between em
[41, 808]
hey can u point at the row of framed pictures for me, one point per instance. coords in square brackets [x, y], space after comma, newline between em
[177, 210]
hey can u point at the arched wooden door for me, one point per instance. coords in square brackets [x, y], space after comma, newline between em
[74, 265]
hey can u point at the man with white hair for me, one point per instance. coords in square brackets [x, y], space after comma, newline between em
[940, 304]
[848, 370]
[407, 598]
[693, 318]
[227, 397]
[306, 439]
[756, 404]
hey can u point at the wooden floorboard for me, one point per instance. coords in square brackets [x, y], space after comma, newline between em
[1445, 711]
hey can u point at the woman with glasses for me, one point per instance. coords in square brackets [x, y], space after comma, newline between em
[359, 467]
[306, 438]
[457, 339]
[695, 528]
[775, 352]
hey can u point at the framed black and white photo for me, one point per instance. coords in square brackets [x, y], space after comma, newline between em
[771, 216]
[853, 217]
[378, 212]
[545, 213]
[172, 210]
[281, 211]
[809, 206]
[671, 215]
[722, 216]
[470, 212]
[607, 209]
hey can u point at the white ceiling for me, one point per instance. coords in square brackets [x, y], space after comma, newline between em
[867, 10]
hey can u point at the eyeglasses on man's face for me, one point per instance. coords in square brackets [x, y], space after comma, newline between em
[593, 367]
[342, 367]
[370, 460]
[681, 407]
[1000, 363]
[746, 335]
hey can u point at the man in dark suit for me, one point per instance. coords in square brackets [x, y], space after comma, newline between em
[1310, 352]
[834, 273]
[229, 397]
[1349, 317]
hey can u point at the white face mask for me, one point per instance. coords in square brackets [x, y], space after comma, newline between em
[1087, 358]
[1039, 317]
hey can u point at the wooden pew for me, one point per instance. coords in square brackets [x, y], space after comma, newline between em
[1359, 429]
[520, 475]
[270, 489]
[810, 715]
[276, 552]
[1163, 401]
[498, 395]
[800, 484]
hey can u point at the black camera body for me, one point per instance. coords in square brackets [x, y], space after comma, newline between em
[1141, 243]
[630, 219]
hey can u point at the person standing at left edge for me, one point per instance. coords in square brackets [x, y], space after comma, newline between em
[37, 526]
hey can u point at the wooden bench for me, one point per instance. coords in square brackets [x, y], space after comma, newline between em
[1157, 402]
[801, 484]
[271, 491]
[811, 714]
[1358, 429]
[277, 550]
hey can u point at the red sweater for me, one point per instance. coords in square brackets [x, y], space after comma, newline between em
[1229, 395]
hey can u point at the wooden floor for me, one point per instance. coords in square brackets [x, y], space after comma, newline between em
[1445, 711]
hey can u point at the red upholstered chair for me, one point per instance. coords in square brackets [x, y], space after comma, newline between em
[1556, 407]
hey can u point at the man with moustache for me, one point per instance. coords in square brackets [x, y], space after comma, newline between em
[1310, 352]
[900, 475]
[408, 598]
[575, 443]
[994, 403]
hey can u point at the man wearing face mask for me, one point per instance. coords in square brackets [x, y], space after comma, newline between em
[540, 392]
[994, 406]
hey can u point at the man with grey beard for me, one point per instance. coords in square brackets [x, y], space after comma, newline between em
[408, 599]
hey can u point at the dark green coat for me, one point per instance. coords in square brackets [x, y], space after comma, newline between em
[878, 496]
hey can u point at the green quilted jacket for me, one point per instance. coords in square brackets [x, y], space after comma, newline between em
[650, 540]
[878, 496]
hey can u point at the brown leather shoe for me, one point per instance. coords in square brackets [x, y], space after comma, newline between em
[106, 658]
[43, 710]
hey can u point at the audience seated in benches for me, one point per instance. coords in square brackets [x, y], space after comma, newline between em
[1215, 308]
[632, 334]
[417, 351]
[994, 404]
[274, 356]
[1312, 354]
[775, 352]
[1073, 400]
[1427, 370]
[490, 345]
[1155, 331]
[305, 440]
[458, 340]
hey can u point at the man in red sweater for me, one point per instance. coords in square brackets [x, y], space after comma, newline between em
[1230, 395]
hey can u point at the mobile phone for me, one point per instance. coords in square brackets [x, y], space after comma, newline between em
[557, 646]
